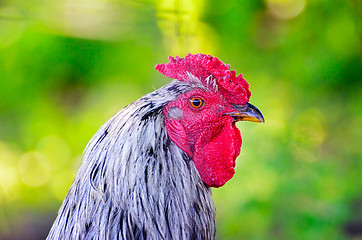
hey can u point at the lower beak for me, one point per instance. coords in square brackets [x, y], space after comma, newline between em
[246, 112]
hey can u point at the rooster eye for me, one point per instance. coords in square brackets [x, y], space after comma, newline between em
[196, 102]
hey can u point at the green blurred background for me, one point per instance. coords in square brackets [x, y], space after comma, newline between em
[67, 66]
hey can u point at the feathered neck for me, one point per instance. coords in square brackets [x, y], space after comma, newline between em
[135, 182]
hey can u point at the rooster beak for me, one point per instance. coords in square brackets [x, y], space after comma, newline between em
[246, 112]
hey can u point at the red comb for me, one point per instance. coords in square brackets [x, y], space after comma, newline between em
[234, 88]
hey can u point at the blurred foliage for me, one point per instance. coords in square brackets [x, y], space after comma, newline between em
[66, 66]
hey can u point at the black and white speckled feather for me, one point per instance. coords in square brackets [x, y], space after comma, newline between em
[135, 183]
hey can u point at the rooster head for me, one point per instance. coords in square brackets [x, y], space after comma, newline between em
[202, 121]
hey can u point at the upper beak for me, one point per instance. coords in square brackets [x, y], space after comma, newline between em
[246, 112]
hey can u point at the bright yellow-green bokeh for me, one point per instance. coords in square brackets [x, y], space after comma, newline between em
[66, 67]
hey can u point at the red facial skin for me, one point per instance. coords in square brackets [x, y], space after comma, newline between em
[209, 138]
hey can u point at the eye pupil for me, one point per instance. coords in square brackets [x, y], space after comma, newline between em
[196, 102]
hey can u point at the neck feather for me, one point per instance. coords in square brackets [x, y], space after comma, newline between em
[135, 182]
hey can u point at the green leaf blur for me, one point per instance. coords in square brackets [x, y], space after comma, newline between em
[68, 66]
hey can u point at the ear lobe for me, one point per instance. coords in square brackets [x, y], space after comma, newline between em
[178, 135]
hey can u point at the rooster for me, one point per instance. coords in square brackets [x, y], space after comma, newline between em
[147, 172]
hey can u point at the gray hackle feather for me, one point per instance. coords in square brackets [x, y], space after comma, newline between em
[135, 183]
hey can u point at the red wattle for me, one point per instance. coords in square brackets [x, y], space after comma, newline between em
[215, 152]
